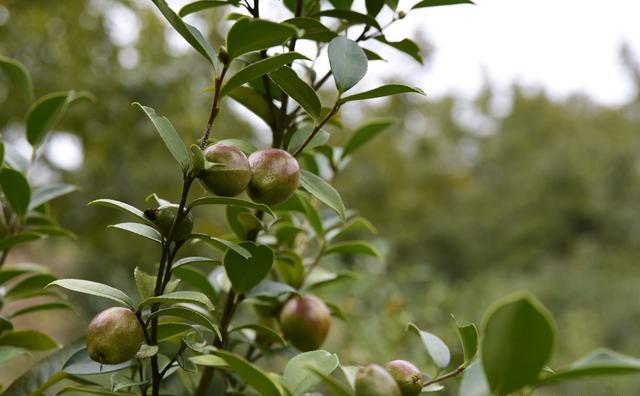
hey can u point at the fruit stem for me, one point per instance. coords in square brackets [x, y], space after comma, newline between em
[443, 377]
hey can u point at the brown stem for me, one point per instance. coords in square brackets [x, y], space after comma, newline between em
[445, 376]
[316, 129]
[3, 257]
[215, 107]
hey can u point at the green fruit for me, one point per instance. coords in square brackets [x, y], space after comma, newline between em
[373, 380]
[275, 176]
[407, 376]
[232, 173]
[163, 218]
[114, 336]
[305, 322]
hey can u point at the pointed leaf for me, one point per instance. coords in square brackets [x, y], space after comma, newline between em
[140, 229]
[322, 190]
[232, 202]
[248, 35]
[49, 192]
[17, 239]
[385, 90]
[124, 207]
[364, 134]
[435, 3]
[178, 297]
[16, 190]
[352, 17]
[9, 352]
[251, 374]
[436, 348]
[95, 289]
[287, 79]
[313, 29]
[469, 339]
[18, 75]
[203, 5]
[41, 307]
[601, 362]
[223, 244]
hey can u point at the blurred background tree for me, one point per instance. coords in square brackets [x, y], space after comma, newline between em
[472, 199]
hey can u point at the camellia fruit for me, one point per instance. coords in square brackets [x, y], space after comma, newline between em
[373, 380]
[230, 173]
[305, 322]
[407, 376]
[163, 218]
[274, 176]
[114, 336]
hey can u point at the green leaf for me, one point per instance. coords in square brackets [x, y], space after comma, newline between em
[474, 382]
[9, 352]
[255, 102]
[271, 289]
[435, 3]
[353, 247]
[246, 273]
[49, 192]
[364, 134]
[320, 278]
[195, 260]
[223, 244]
[250, 373]
[312, 214]
[188, 314]
[41, 307]
[407, 46]
[145, 283]
[140, 229]
[169, 135]
[258, 69]
[47, 111]
[301, 135]
[248, 35]
[19, 76]
[287, 79]
[30, 286]
[601, 362]
[189, 33]
[95, 289]
[351, 17]
[297, 375]
[322, 190]
[230, 201]
[348, 63]
[519, 338]
[203, 5]
[469, 339]
[178, 297]
[374, 7]
[313, 29]
[338, 388]
[81, 364]
[264, 330]
[197, 280]
[124, 207]
[169, 330]
[31, 340]
[385, 90]
[435, 347]
[16, 190]
[210, 361]
[17, 239]
[13, 271]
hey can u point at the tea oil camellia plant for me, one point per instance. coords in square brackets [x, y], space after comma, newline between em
[182, 333]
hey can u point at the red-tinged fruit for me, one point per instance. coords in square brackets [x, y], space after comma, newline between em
[114, 336]
[275, 175]
[374, 380]
[407, 376]
[305, 322]
[230, 173]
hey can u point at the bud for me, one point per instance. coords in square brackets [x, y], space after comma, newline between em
[402, 15]
[373, 380]
[114, 336]
[275, 176]
[223, 55]
[407, 376]
[305, 322]
[163, 218]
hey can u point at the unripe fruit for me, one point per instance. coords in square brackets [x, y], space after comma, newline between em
[305, 322]
[373, 380]
[407, 376]
[231, 176]
[114, 336]
[275, 176]
[164, 216]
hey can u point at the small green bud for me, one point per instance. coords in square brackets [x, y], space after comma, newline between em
[163, 218]
[402, 15]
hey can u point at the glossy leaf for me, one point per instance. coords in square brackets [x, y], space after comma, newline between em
[16, 190]
[250, 373]
[230, 201]
[47, 111]
[255, 102]
[140, 229]
[265, 331]
[519, 338]
[172, 330]
[123, 207]
[246, 273]
[322, 190]
[195, 260]
[380, 92]
[19, 76]
[210, 361]
[49, 192]
[95, 289]
[189, 33]
[201, 5]
[313, 29]
[351, 17]
[348, 63]
[469, 339]
[223, 244]
[435, 3]
[178, 297]
[435, 347]
[187, 314]
[258, 69]
[287, 79]
[297, 376]
[31, 340]
[353, 247]
[270, 289]
[601, 362]
[248, 35]
[81, 364]
[169, 135]
[196, 280]
[364, 134]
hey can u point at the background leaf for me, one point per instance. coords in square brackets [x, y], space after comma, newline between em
[19, 76]
[435, 3]
[255, 377]
[140, 229]
[365, 133]
[32, 340]
[49, 192]
[16, 190]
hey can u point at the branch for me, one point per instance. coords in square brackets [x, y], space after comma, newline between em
[316, 129]
[443, 377]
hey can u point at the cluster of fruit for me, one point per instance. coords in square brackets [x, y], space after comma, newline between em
[396, 378]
